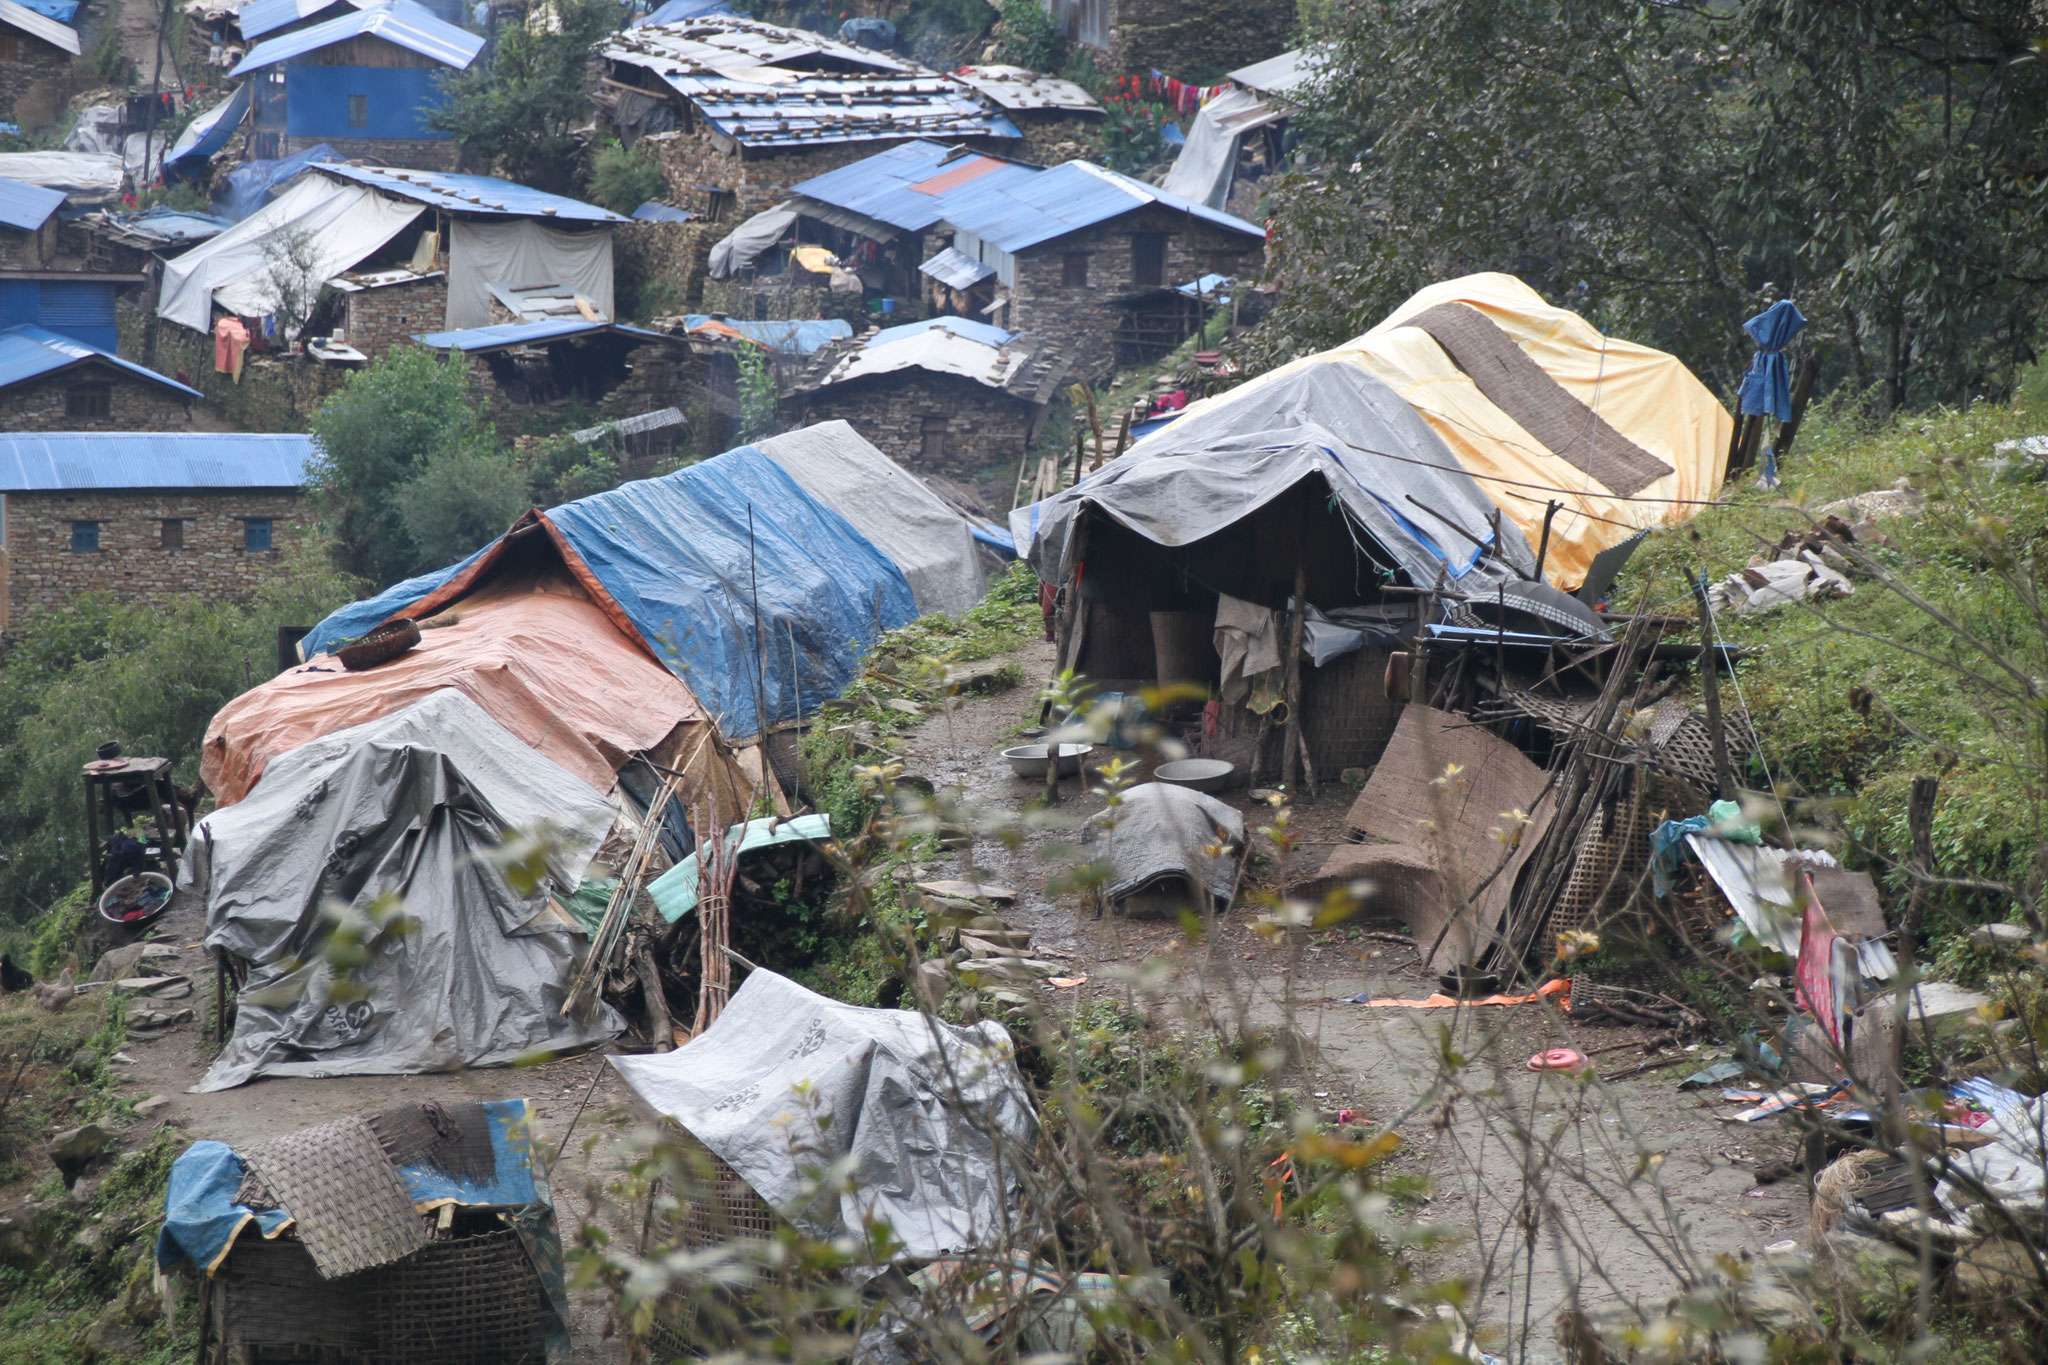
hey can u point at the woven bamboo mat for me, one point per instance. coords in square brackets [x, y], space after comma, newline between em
[343, 1194]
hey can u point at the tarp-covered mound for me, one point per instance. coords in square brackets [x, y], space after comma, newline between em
[915, 1105]
[691, 564]
[399, 814]
[1223, 461]
[539, 658]
[1534, 403]
[929, 541]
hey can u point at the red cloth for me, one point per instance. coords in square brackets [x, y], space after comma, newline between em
[230, 341]
[1815, 969]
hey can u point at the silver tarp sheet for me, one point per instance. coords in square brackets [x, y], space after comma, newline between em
[1395, 478]
[889, 505]
[1161, 831]
[523, 251]
[737, 249]
[786, 1083]
[409, 807]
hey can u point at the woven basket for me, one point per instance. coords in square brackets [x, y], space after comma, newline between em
[380, 646]
[715, 1208]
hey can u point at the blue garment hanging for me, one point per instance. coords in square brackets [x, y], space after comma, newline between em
[1767, 384]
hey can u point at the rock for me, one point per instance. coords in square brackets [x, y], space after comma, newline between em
[929, 984]
[83, 1063]
[31, 1231]
[75, 1149]
[151, 1018]
[970, 891]
[117, 963]
[954, 837]
[85, 1190]
[152, 1107]
[161, 987]
[986, 675]
[1990, 1273]
[2000, 936]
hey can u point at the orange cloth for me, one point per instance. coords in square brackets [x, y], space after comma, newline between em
[1558, 987]
[545, 663]
[230, 341]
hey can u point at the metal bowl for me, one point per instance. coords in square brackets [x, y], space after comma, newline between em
[1029, 760]
[136, 899]
[1200, 774]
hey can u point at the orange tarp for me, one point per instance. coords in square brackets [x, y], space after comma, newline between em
[542, 660]
[1558, 987]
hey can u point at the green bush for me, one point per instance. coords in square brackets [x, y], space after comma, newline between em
[1026, 35]
[622, 181]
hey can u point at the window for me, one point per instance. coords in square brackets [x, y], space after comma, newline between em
[89, 400]
[173, 534]
[255, 533]
[85, 537]
[1148, 259]
[1074, 269]
[934, 434]
[358, 111]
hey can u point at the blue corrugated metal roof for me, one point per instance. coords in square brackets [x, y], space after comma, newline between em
[408, 25]
[471, 193]
[1016, 214]
[29, 352]
[63, 461]
[985, 333]
[27, 206]
[266, 16]
[526, 334]
[654, 211]
[883, 186]
[798, 337]
[63, 11]
[56, 34]
[956, 269]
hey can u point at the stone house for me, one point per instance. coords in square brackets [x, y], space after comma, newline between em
[381, 308]
[362, 82]
[738, 111]
[946, 397]
[28, 224]
[618, 370]
[35, 51]
[144, 516]
[1185, 38]
[1091, 263]
[50, 382]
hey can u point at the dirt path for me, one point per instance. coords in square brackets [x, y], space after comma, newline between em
[1636, 1185]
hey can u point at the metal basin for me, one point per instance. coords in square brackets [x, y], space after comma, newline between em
[1030, 760]
[1201, 774]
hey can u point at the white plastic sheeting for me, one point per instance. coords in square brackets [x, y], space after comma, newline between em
[243, 269]
[87, 177]
[738, 248]
[522, 251]
[1207, 165]
[787, 1084]
[905, 520]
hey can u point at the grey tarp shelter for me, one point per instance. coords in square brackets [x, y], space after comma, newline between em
[409, 807]
[892, 507]
[915, 1105]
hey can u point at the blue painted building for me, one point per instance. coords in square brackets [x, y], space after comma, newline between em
[363, 82]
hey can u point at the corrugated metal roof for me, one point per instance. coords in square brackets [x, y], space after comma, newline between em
[1018, 214]
[479, 194]
[27, 206]
[160, 226]
[266, 16]
[506, 334]
[811, 110]
[726, 44]
[1017, 87]
[408, 25]
[988, 334]
[51, 31]
[956, 269]
[895, 186]
[56, 462]
[796, 337]
[30, 352]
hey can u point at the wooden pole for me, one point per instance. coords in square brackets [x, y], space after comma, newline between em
[1543, 545]
[1710, 687]
[1292, 747]
[660, 1031]
[1920, 823]
[1802, 391]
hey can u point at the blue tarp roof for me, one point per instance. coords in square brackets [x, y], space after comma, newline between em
[30, 352]
[526, 334]
[885, 186]
[484, 194]
[675, 11]
[679, 558]
[801, 336]
[55, 462]
[403, 22]
[63, 11]
[654, 211]
[248, 184]
[1015, 214]
[266, 16]
[27, 206]
[985, 333]
[210, 132]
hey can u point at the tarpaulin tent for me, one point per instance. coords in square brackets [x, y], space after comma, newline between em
[758, 596]
[408, 808]
[246, 188]
[892, 507]
[530, 649]
[787, 1083]
[1222, 462]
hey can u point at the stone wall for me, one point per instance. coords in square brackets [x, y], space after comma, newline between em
[984, 430]
[133, 405]
[779, 298]
[411, 153]
[659, 268]
[662, 374]
[378, 319]
[1048, 142]
[1079, 322]
[34, 62]
[28, 250]
[1198, 42]
[42, 571]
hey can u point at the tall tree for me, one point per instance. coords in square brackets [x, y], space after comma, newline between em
[514, 111]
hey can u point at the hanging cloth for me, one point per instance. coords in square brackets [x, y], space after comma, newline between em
[1767, 384]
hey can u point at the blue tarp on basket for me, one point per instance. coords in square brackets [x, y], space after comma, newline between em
[201, 1217]
[1767, 383]
[675, 555]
